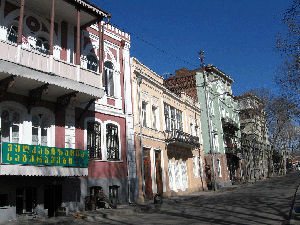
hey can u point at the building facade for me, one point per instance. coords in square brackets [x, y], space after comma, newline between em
[219, 120]
[172, 158]
[65, 106]
[255, 138]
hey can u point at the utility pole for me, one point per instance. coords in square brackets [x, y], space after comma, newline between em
[208, 118]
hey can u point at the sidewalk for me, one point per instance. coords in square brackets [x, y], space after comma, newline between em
[115, 216]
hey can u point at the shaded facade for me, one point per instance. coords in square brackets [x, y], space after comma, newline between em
[66, 117]
[172, 159]
[255, 138]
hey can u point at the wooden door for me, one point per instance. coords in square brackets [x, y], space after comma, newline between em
[147, 175]
[158, 174]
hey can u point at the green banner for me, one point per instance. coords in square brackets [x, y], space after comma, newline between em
[42, 155]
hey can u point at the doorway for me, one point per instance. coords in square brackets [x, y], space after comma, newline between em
[158, 174]
[52, 199]
[147, 174]
[25, 200]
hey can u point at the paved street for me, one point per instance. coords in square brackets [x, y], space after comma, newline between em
[263, 202]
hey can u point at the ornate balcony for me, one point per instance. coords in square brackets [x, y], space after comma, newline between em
[227, 122]
[180, 137]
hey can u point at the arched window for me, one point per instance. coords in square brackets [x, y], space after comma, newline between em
[42, 45]
[92, 63]
[109, 78]
[10, 126]
[12, 34]
[94, 140]
[40, 126]
[112, 142]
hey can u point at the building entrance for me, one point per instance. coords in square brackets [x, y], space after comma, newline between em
[52, 198]
[26, 200]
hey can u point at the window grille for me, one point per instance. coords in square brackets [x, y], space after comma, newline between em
[112, 142]
[94, 140]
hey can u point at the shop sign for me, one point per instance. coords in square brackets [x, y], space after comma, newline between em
[13, 153]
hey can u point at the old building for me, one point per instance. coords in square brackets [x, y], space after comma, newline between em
[65, 106]
[219, 120]
[168, 130]
[255, 138]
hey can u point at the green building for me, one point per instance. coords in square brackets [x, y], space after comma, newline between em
[221, 134]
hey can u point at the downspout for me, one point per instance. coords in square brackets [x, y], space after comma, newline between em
[102, 50]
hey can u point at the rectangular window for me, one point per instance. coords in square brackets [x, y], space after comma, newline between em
[144, 114]
[154, 117]
[167, 117]
[94, 140]
[112, 142]
[10, 125]
[179, 120]
[211, 106]
[219, 169]
[198, 170]
[94, 190]
[173, 118]
[196, 127]
[114, 194]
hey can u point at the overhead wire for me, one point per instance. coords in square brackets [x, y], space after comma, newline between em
[147, 42]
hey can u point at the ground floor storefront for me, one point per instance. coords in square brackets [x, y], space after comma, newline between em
[31, 196]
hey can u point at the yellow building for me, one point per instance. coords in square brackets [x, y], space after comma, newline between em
[172, 160]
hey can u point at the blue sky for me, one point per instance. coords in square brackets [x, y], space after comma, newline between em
[238, 36]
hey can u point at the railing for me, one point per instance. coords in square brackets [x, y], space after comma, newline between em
[231, 150]
[8, 51]
[39, 61]
[180, 136]
[65, 69]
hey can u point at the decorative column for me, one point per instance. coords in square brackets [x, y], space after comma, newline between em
[78, 44]
[20, 30]
[51, 36]
[78, 38]
[52, 27]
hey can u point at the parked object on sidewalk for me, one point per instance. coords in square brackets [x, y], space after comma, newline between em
[158, 199]
[80, 216]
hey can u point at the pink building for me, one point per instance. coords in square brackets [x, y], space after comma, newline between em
[65, 107]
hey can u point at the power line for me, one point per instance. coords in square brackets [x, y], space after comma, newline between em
[145, 41]
[152, 45]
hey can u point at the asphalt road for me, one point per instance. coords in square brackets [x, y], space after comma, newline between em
[263, 202]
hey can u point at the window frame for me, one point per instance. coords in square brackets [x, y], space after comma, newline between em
[172, 122]
[144, 113]
[41, 117]
[100, 136]
[92, 65]
[110, 84]
[116, 125]
[154, 117]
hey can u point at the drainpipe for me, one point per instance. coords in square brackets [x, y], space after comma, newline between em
[102, 49]
[139, 81]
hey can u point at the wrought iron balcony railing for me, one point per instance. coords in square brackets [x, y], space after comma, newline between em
[180, 136]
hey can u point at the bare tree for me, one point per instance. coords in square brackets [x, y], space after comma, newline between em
[288, 44]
